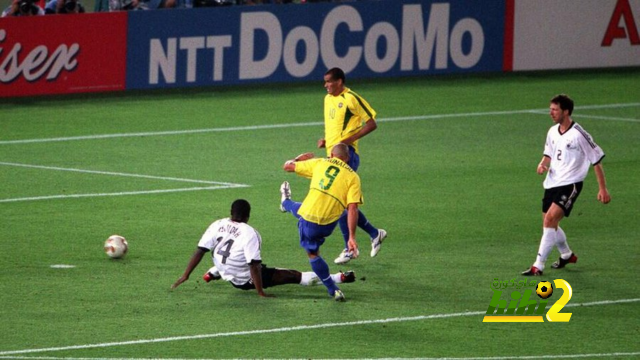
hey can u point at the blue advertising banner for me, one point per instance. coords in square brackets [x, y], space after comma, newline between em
[285, 43]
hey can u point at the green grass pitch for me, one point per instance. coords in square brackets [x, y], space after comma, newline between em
[450, 174]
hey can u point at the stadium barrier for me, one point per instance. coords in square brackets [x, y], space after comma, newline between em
[237, 45]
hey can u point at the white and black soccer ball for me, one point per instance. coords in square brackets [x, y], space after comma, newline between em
[116, 246]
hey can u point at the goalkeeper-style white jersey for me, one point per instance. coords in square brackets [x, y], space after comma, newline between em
[571, 153]
[233, 246]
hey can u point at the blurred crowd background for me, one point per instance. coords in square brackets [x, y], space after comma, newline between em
[52, 7]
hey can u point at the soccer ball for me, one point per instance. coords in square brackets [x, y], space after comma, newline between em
[116, 246]
[544, 289]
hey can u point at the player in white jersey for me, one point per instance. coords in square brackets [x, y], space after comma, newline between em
[236, 247]
[568, 152]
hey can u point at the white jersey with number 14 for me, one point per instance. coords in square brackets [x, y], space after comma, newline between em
[233, 245]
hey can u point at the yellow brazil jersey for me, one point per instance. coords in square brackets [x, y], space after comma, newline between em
[333, 186]
[344, 115]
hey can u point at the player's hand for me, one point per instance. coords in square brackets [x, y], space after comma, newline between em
[603, 196]
[353, 247]
[178, 282]
[321, 143]
[262, 294]
[542, 169]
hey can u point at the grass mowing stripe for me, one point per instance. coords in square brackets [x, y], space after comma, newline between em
[287, 329]
[279, 126]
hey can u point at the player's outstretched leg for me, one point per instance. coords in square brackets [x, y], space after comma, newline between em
[321, 269]
[286, 204]
[307, 278]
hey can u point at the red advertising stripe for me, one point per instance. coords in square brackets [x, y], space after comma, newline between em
[507, 61]
[62, 54]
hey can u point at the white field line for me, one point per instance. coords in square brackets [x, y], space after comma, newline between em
[278, 126]
[524, 357]
[125, 193]
[605, 118]
[215, 184]
[587, 116]
[284, 329]
[116, 174]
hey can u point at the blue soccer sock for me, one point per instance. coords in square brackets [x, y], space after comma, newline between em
[363, 223]
[344, 229]
[292, 207]
[320, 267]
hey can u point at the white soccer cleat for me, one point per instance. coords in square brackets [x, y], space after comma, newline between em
[285, 193]
[339, 296]
[377, 242]
[212, 274]
[344, 257]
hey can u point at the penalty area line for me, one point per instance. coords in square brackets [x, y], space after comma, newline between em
[125, 193]
[288, 329]
[112, 173]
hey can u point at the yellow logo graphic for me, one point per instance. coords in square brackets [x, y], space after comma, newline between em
[522, 308]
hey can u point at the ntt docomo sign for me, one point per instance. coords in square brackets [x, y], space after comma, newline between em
[236, 45]
[429, 40]
[239, 45]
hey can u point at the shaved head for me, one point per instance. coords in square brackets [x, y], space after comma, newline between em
[341, 151]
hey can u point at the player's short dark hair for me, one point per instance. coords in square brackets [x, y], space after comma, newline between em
[240, 210]
[336, 74]
[565, 102]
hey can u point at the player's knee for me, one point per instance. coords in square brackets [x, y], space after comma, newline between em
[551, 221]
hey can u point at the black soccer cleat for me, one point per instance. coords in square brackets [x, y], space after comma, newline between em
[532, 271]
[562, 262]
[348, 277]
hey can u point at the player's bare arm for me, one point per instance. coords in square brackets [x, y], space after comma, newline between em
[603, 194]
[369, 126]
[255, 268]
[304, 156]
[352, 222]
[322, 143]
[193, 262]
[290, 165]
[543, 166]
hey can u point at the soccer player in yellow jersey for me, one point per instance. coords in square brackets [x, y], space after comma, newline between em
[334, 188]
[347, 118]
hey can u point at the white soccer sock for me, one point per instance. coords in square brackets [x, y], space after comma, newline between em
[309, 278]
[337, 278]
[546, 245]
[561, 243]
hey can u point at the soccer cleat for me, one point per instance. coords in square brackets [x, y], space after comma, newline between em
[562, 262]
[377, 241]
[339, 296]
[212, 274]
[348, 277]
[532, 271]
[344, 257]
[285, 193]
